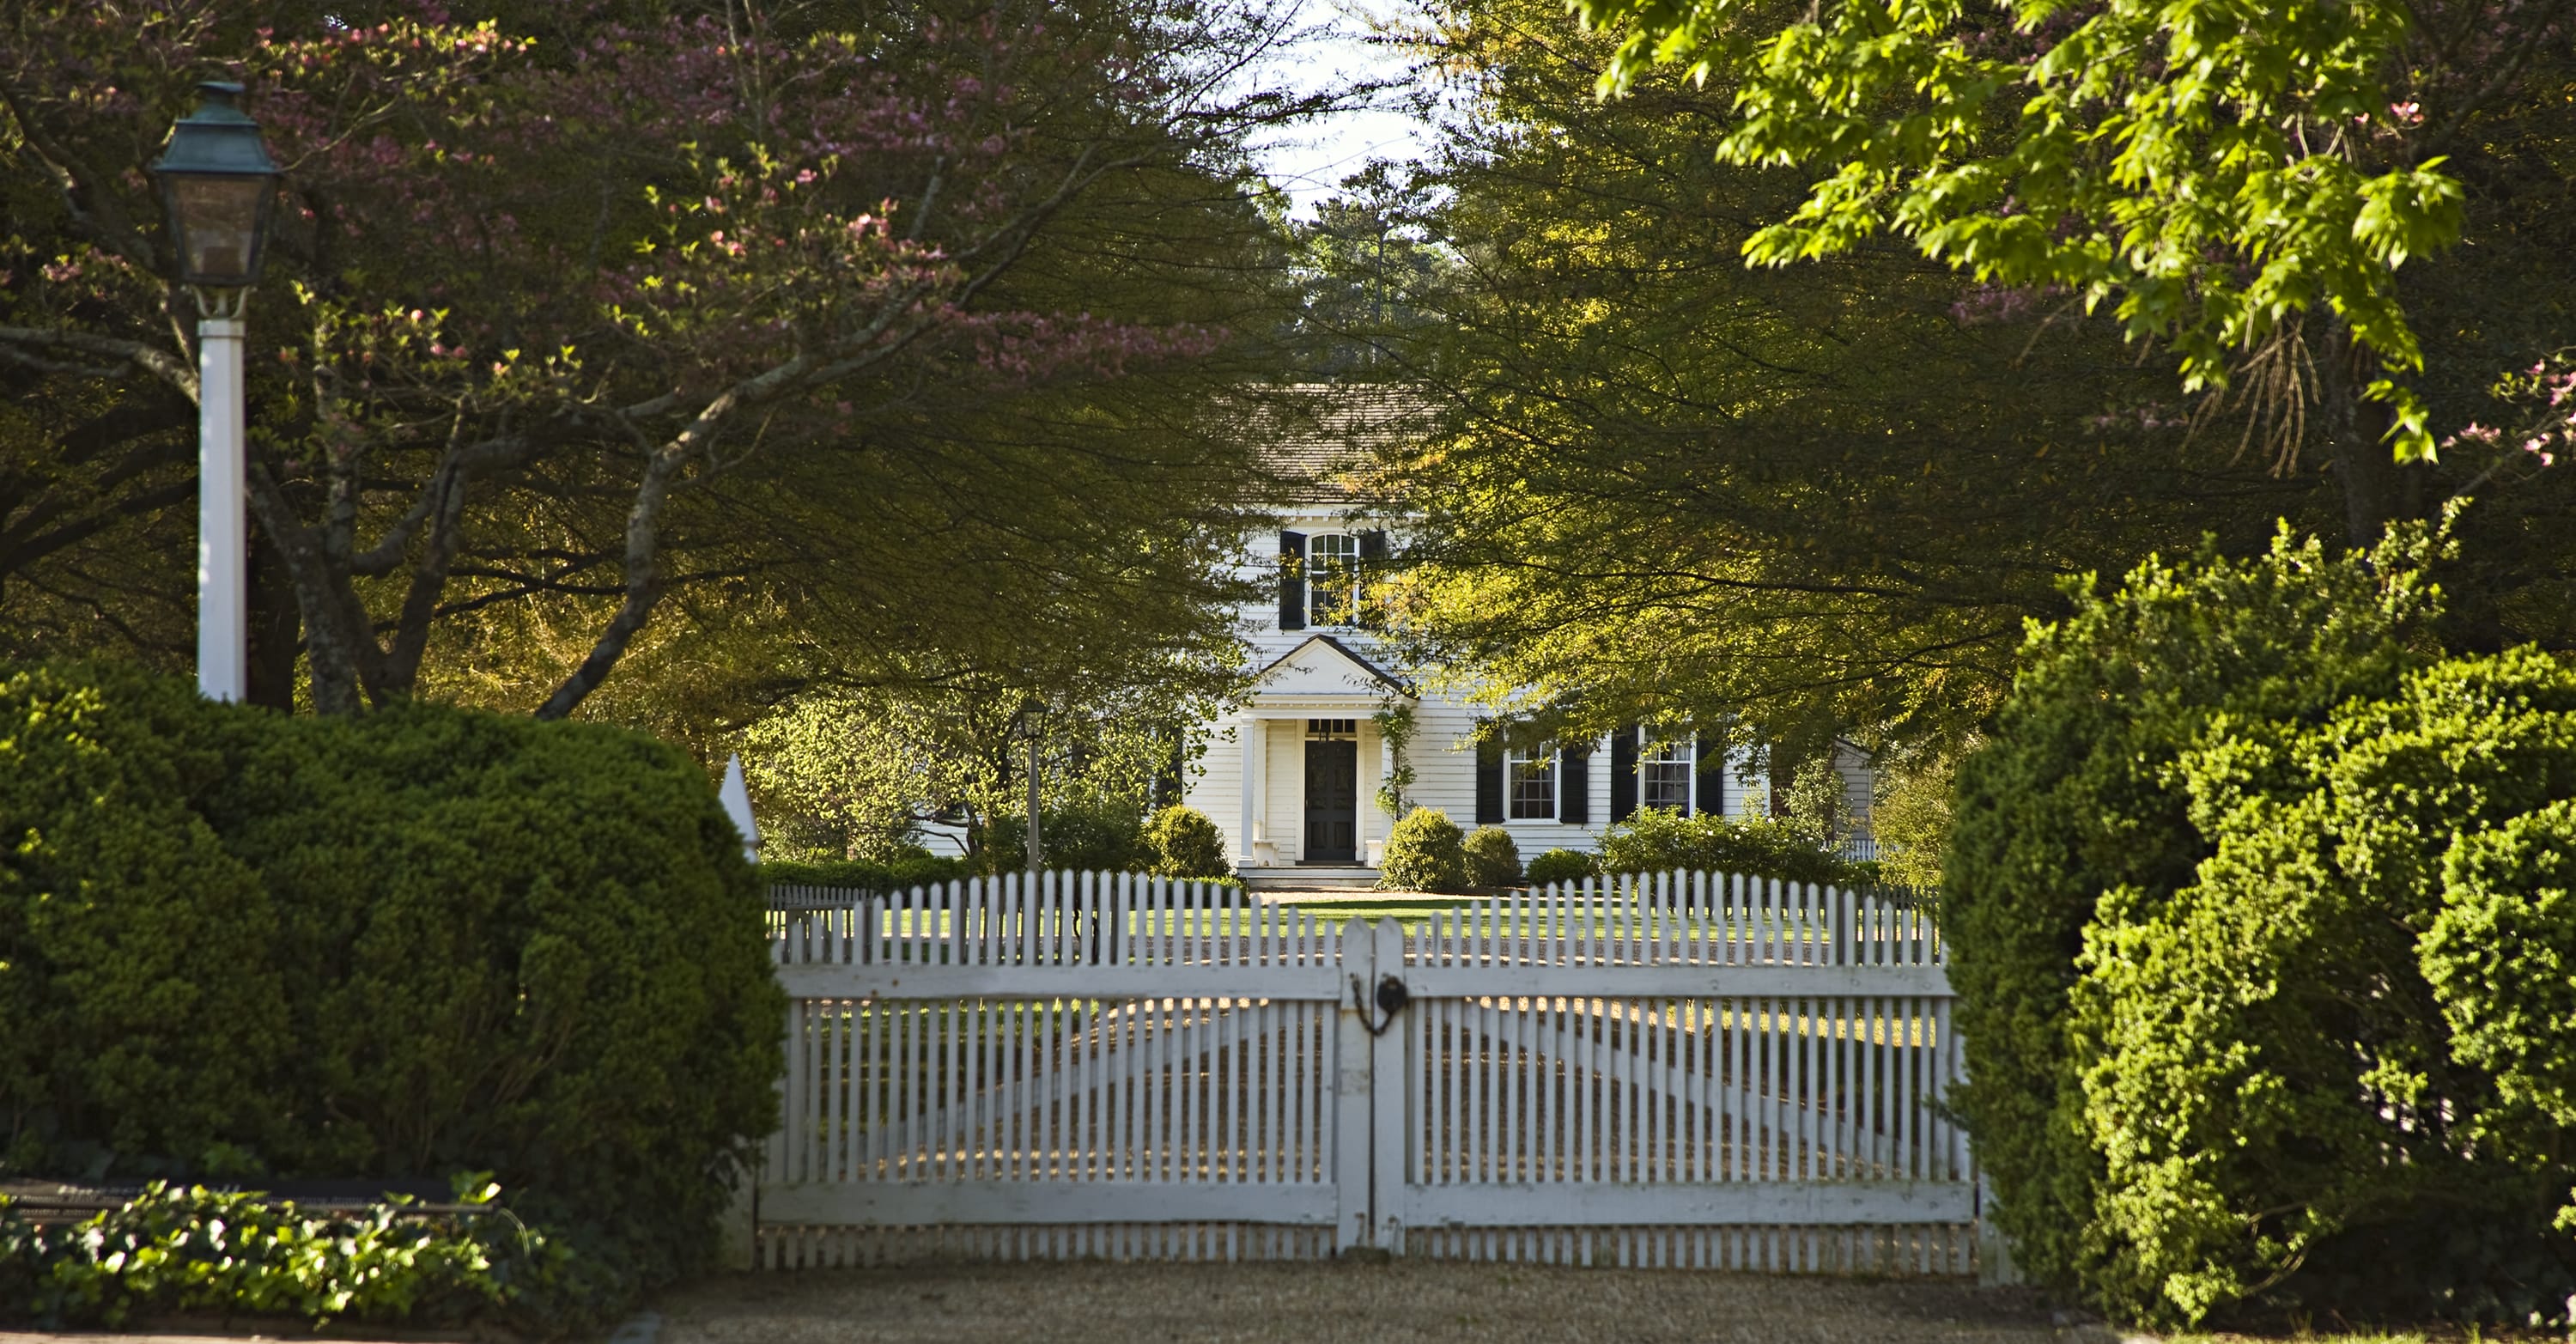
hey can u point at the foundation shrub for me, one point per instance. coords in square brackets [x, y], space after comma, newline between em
[1560, 865]
[1425, 851]
[1492, 859]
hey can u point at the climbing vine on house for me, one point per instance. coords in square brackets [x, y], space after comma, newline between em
[1395, 727]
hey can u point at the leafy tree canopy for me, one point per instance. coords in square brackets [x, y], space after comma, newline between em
[2215, 172]
[1821, 500]
[766, 346]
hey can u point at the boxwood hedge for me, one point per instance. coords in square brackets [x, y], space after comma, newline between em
[2259, 924]
[406, 945]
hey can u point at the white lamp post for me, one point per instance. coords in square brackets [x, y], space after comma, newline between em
[1030, 726]
[219, 186]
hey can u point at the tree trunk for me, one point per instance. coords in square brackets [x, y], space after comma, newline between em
[331, 657]
[276, 624]
[2376, 490]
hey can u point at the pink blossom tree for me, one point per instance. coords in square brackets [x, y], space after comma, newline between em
[518, 270]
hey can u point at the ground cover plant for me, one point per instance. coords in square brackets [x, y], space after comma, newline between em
[407, 945]
[2257, 908]
[240, 1255]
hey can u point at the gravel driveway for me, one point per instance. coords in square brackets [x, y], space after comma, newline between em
[1325, 1302]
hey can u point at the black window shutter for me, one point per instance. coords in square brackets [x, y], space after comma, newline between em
[1372, 557]
[1574, 791]
[1489, 782]
[1623, 774]
[1712, 776]
[1292, 580]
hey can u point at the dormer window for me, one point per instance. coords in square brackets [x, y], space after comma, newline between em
[1320, 577]
[1332, 578]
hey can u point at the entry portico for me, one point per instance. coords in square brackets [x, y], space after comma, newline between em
[1310, 756]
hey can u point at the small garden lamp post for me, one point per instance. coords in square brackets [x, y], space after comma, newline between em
[219, 186]
[1026, 724]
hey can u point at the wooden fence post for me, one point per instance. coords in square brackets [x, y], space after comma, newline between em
[1354, 950]
[1388, 1117]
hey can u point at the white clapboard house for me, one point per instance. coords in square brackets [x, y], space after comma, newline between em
[1293, 774]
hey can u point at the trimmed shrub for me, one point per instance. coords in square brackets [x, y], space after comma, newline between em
[1182, 842]
[2263, 1129]
[2220, 803]
[1561, 865]
[1424, 852]
[2501, 959]
[2071, 798]
[145, 1006]
[1662, 840]
[490, 944]
[1492, 859]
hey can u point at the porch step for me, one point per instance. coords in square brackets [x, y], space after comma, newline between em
[1308, 877]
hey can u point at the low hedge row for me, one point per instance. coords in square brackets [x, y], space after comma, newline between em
[1172, 842]
[866, 875]
[406, 945]
[1663, 840]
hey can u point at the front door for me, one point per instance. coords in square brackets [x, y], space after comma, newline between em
[1332, 802]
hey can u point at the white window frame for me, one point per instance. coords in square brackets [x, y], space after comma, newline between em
[1648, 747]
[1344, 563]
[1513, 763]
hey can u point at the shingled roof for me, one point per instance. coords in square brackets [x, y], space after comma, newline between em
[1313, 437]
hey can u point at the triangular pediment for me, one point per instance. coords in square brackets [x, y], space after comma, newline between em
[1324, 666]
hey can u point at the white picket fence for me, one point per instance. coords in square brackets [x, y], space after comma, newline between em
[1691, 1069]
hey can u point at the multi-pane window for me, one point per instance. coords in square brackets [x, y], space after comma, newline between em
[1664, 774]
[1332, 728]
[1531, 782]
[1332, 574]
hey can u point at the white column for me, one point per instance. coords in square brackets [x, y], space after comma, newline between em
[223, 533]
[1251, 728]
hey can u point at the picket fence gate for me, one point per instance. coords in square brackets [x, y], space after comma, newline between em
[1683, 1069]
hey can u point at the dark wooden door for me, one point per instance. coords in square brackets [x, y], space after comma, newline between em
[1332, 801]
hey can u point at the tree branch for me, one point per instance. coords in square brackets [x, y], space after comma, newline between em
[176, 372]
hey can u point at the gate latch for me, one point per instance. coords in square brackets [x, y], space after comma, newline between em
[1391, 998]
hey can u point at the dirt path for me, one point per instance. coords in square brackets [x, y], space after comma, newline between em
[1326, 1303]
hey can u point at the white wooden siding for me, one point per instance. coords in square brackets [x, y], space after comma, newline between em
[1215, 782]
